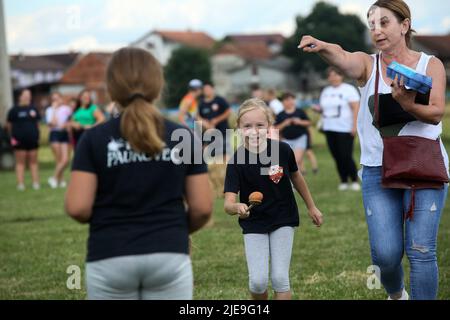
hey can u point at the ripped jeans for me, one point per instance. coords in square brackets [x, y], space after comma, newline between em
[390, 236]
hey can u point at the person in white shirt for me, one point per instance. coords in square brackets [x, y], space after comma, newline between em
[339, 103]
[391, 232]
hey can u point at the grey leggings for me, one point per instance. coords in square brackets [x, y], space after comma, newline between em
[159, 276]
[277, 246]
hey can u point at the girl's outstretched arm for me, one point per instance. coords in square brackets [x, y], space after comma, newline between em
[233, 208]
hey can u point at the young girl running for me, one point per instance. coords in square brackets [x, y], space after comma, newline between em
[267, 166]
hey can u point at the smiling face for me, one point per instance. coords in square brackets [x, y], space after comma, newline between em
[386, 30]
[56, 99]
[254, 127]
[25, 98]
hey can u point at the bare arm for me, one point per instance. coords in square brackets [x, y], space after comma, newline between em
[284, 124]
[80, 195]
[434, 112]
[8, 128]
[355, 65]
[302, 123]
[300, 185]
[233, 208]
[199, 200]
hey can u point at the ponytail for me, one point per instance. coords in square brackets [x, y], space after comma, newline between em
[142, 125]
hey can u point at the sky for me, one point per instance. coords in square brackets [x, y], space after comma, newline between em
[43, 26]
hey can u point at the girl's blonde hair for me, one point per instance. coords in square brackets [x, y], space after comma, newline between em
[135, 80]
[253, 104]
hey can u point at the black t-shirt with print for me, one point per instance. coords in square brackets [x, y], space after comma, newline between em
[279, 208]
[24, 122]
[293, 131]
[212, 109]
[138, 206]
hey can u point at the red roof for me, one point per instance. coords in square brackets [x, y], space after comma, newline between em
[439, 45]
[91, 68]
[49, 62]
[189, 38]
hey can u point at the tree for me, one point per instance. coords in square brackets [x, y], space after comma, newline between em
[326, 23]
[184, 65]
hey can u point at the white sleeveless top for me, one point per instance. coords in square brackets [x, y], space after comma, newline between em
[369, 136]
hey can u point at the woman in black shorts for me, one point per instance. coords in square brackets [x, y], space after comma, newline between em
[23, 128]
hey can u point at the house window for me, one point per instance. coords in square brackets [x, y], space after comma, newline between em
[150, 45]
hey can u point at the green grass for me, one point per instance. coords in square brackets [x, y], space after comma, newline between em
[38, 243]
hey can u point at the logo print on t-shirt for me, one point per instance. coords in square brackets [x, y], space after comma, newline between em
[215, 107]
[33, 114]
[276, 173]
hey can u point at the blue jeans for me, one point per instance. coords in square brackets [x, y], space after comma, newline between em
[390, 235]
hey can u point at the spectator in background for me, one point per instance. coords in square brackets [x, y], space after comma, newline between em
[189, 104]
[57, 117]
[274, 103]
[214, 112]
[276, 106]
[309, 153]
[339, 103]
[131, 188]
[23, 128]
[85, 116]
[293, 124]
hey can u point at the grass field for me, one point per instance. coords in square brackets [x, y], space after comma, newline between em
[38, 242]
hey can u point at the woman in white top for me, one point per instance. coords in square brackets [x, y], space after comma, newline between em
[390, 235]
[339, 103]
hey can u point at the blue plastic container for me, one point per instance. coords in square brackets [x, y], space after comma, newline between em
[413, 80]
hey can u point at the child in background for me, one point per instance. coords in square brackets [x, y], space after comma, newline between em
[268, 228]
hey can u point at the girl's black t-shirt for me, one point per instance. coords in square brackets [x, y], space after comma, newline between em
[24, 122]
[248, 172]
[138, 206]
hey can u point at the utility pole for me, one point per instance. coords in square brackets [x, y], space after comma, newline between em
[5, 78]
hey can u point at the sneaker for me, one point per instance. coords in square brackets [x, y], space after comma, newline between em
[63, 184]
[315, 171]
[405, 296]
[21, 187]
[52, 182]
[36, 186]
[343, 187]
[355, 186]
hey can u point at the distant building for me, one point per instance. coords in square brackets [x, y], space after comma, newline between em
[162, 43]
[243, 61]
[89, 72]
[39, 73]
